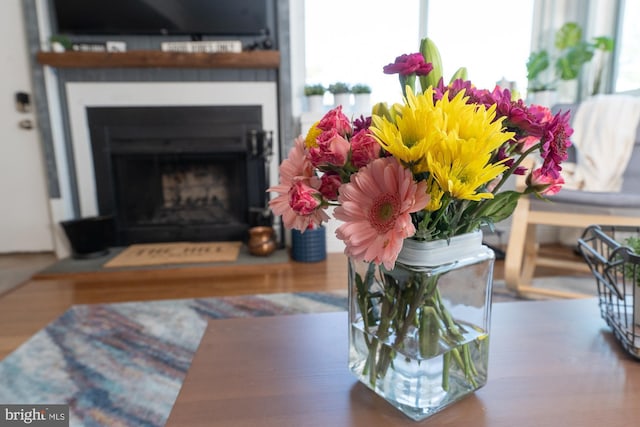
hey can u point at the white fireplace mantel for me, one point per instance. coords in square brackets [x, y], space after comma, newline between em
[83, 95]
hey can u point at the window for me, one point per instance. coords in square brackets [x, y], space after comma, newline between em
[628, 66]
[351, 41]
[492, 38]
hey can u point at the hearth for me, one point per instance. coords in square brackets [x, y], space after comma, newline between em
[170, 174]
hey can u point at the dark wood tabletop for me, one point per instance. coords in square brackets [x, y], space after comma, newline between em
[552, 363]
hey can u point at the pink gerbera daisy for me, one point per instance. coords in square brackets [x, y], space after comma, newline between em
[375, 207]
[296, 170]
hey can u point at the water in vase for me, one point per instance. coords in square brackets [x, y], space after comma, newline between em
[417, 385]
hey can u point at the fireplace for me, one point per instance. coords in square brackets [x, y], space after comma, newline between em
[180, 173]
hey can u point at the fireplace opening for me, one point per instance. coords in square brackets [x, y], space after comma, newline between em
[172, 174]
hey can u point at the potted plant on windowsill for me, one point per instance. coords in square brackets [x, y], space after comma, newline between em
[572, 53]
[341, 94]
[314, 94]
[361, 98]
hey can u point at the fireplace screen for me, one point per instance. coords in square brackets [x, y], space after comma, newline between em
[176, 190]
[195, 194]
[187, 175]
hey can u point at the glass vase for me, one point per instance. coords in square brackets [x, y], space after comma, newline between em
[419, 334]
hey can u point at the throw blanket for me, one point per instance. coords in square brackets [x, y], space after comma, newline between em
[604, 134]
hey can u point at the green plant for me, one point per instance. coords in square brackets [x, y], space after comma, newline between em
[316, 89]
[339, 87]
[360, 88]
[62, 40]
[572, 52]
[630, 270]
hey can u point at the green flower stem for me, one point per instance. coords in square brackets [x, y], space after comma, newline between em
[458, 215]
[456, 356]
[432, 224]
[428, 332]
[515, 166]
[382, 334]
[408, 80]
[417, 303]
[453, 330]
[469, 368]
[365, 305]
[446, 366]
[403, 323]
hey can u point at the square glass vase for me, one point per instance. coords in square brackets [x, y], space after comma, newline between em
[419, 333]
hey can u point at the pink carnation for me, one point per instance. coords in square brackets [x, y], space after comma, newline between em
[329, 184]
[545, 185]
[364, 148]
[335, 119]
[303, 199]
[376, 207]
[332, 149]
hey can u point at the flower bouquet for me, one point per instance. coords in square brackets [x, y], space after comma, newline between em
[412, 184]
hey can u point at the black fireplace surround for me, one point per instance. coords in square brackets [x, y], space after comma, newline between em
[170, 174]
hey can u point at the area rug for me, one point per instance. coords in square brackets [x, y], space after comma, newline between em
[175, 253]
[123, 364]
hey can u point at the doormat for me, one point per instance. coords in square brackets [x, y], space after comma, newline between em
[175, 253]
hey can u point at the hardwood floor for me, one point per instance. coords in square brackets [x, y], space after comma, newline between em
[18, 267]
[32, 305]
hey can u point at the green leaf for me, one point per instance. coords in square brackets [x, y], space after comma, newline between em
[603, 43]
[500, 207]
[537, 63]
[569, 35]
[568, 66]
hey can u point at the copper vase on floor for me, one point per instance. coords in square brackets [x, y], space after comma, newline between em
[262, 241]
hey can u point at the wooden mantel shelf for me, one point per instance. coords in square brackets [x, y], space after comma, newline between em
[159, 59]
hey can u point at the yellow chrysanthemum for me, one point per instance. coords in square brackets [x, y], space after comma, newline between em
[450, 139]
[460, 162]
[435, 193]
[312, 136]
[417, 125]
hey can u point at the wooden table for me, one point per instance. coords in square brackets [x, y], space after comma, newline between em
[552, 363]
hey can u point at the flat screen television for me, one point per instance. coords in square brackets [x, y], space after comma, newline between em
[168, 17]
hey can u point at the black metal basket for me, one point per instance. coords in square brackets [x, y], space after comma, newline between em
[616, 267]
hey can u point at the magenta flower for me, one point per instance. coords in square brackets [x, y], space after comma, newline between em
[455, 88]
[533, 125]
[527, 121]
[555, 142]
[409, 64]
[502, 155]
[361, 123]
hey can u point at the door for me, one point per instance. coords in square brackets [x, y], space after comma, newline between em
[24, 207]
